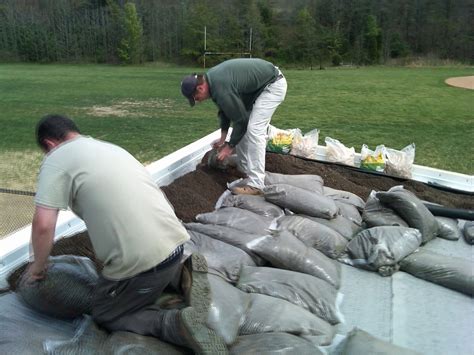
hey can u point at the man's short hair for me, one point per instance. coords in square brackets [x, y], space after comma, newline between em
[54, 127]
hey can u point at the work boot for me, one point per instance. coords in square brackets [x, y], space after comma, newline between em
[197, 293]
[246, 190]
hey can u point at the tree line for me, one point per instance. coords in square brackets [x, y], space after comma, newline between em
[302, 32]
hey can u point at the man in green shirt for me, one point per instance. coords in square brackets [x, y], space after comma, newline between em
[133, 230]
[247, 93]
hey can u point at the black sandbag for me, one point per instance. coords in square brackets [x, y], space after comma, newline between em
[381, 248]
[284, 250]
[67, 289]
[308, 182]
[411, 209]
[273, 344]
[237, 218]
[344, 196]
[222, 259]
[375, 214]
[359, 342]
[314, 234]
[255, 204]
[303, 290]
[301, 201]
[468, 232]
[228, 235]
[271, 315]
[340, 224]
[448, 271]
[448, 228]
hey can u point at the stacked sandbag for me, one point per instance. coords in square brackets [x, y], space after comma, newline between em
[228, 308]
[67, 289]
[307, 182]
[222, 259]
[283, 250]
[314, 234]
[468, 232]
[302, 290]
[272, 344]
[255, 204]
[340, 224]
[375, 214]
[273, 315]
[349, 212]
[448, 271]
[237, 218]
[381, 248]
[411, 209]
[359, 342]
[228, 235]
[448, 228]
[345, 197]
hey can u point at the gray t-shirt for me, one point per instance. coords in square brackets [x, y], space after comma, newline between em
[130, 222]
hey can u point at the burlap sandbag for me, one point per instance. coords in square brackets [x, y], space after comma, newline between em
[255, 204]
[448, 228]
[222, 259]
[271, 315]
[237, 218]
[375, 214]
[228, 235]
[67, 289]
[284, 250]
[273, 344]
[301, 201]
[314, 234]
[381, 248]
[448, 271]
[303, 290]
[468, 232]
[308, 182]
[411, 209]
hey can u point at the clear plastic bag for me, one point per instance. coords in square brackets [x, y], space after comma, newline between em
[338, 152]
[400, 162]
[280, 140]
[373, 160]
[305, 145]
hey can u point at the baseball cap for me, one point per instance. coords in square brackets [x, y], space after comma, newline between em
[188, 87]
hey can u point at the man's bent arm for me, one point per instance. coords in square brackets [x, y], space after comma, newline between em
[42, 238]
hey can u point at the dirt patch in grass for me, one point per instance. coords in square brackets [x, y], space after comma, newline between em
[465, 82]
[131, 108]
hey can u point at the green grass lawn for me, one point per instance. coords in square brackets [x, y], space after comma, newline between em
[141, 109]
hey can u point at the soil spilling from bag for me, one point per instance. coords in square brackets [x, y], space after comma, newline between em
[198, 191]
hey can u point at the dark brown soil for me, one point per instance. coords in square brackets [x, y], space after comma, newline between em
[198, 191]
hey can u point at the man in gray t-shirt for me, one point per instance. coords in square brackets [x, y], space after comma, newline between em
[133, 230]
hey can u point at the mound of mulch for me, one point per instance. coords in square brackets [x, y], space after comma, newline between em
[198, 191]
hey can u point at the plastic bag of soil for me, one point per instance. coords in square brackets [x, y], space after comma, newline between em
[67, 289]
[23, 330]
[314, 234]
[359, 342]
[284, 250]
[308, 182]
[228, 308]
[228, 235]
[271, 315]
[338, 153]
[448, 228]
[349, 212]
[301, 201]
[302, 290]
[340, 224]
[222, 259]
[305, 145]
[400, 162]
[448, 271]
[237, 218]
[375, 214]
[411, 209]
[381, 248]
[255, 204]
[468, 232]
[272, 344]
[344, 196]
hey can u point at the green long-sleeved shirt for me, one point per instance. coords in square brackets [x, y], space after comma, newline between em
[234, 86]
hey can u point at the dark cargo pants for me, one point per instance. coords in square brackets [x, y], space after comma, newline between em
[129, 304]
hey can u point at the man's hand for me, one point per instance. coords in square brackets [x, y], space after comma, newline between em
[225, 152]
[34, 273]
[217, 143]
